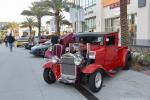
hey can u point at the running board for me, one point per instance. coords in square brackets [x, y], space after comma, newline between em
[112, 73]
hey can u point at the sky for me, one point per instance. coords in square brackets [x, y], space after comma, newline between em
[10, 10]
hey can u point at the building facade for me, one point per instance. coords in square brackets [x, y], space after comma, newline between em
[104, 15]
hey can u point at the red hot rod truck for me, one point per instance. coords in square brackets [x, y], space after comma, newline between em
[88, 59]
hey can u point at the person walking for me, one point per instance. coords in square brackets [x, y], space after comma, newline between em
[31, 40]
[10, 40]
[6, 40]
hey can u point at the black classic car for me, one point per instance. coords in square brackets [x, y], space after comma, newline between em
[39, 50]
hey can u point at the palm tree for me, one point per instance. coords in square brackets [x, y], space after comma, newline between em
[65, 22]
[37, 11]
[57, 8]
[124, 22]
[2, 33]
[30, 22]
[14, 27]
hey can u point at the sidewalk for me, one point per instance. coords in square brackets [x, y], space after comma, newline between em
[21, 78]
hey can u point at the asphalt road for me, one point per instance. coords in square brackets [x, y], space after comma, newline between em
[21, 79]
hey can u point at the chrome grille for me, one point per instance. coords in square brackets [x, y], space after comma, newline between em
[68, 66]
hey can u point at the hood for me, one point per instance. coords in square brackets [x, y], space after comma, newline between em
[22, 40]
[40, 47]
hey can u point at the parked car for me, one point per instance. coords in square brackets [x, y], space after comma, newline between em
[22, 41]
[29, 45]
[39, 50]
[44, 38]
[88, 60]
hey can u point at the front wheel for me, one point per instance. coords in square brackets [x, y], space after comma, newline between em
[48, 76]
[96, 81]
[128, 62]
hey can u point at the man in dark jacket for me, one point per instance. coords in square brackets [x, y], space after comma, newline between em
[10, 41]
[55, 39]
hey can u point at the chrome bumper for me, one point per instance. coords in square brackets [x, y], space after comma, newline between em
[67, 79]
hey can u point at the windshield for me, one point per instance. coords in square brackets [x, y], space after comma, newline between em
[47, 42]
[23, 38]
[97, 40]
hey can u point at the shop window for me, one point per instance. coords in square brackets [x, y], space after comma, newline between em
[108, 25]
[88, 3]
[141, 3]
[90, 24]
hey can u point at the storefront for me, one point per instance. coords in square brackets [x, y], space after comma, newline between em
[104, 15]
[113, 24]
[138, 19]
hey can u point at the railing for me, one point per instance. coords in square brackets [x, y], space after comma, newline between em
[139, 48]
[140, 45]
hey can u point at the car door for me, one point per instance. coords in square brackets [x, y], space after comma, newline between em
[111, 52]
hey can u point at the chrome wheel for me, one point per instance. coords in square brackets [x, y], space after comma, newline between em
[98, 80]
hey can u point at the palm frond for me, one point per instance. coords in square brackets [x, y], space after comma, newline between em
[27, 12]
[29, 22]
[65, 22]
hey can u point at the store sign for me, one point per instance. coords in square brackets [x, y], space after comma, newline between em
[141, 3]
[53, 25]
[73, 15]
[112, 3]
[117, 4]
[88, 13]
[106, 3]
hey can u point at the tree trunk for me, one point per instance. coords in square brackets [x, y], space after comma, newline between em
[57, 23]
[124, 22]
[39, 27]
[30, 29]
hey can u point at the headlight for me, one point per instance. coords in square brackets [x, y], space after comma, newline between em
[50, 48]
[78, 60]
[67, 49]
[54, 59]
[92, 54]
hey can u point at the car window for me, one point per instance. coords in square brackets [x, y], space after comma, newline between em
[92, 40]
[100, 40]
[23, 38]
[110, 41]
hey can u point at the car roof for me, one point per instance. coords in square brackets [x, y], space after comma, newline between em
[92, 34]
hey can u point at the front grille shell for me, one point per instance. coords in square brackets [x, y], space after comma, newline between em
[68, 68]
